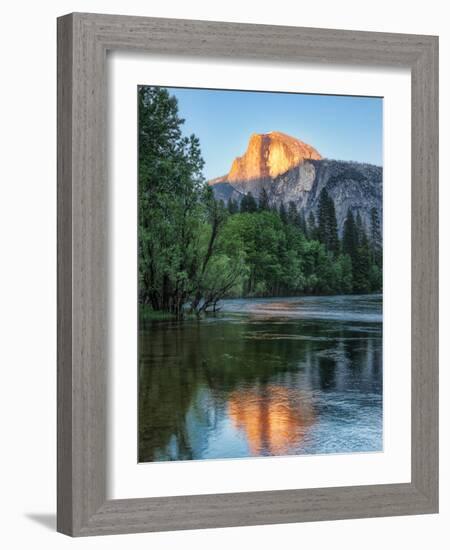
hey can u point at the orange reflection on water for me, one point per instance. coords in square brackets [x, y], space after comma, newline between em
[273, 419]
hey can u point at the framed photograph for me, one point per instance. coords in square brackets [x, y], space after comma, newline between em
[247, 274]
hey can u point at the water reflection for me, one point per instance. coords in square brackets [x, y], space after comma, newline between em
[261, 380]
[273, 418]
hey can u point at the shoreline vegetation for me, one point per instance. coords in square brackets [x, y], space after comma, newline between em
[195, 251]
[147, 314]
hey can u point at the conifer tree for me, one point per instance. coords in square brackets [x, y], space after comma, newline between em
[333, 238]
[302, 223]
[350, 236]
[312, 227]
[248, 203]
[361, 266]
[263, 200]
[283, 213]
[322, 216]
[232, 206]
[327, 225]
[359, 227]
[376, 238]
[292, 214]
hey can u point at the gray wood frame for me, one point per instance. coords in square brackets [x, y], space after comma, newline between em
[83, 40]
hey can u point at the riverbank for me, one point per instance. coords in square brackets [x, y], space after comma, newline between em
[332, 305]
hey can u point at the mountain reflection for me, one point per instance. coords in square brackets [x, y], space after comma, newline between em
[250, 384]
[271, 418]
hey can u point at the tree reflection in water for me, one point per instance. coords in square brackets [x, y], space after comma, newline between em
[242, 385]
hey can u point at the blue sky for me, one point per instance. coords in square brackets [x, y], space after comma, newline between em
[339, 127]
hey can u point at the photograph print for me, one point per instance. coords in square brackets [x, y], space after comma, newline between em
[260, 287]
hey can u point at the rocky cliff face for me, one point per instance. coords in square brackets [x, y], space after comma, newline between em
[290, 170]
[270, 155]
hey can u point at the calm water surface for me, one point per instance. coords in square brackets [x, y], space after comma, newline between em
[265, 377]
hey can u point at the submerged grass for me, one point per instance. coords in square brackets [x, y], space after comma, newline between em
[146, 313]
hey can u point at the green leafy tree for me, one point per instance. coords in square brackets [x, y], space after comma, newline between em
[195, 250]
[292, 255]
[202, 291]
[221, 273]
[261, 239]
[375, 278]
[179, 219]
[319, 269]
[344, 273]
[170, 182]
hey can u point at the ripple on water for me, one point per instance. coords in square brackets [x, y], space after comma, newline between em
[264, 377]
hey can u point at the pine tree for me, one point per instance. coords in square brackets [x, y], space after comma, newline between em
[248, 203]
[302, 223]
[327, 226]
[312, 227]
[359, 227]
[333, 239]
[376, 238]
[292, 214]
[361, 266]
[232, 206]
[263, 200]
[350, 236]
[283, 213]
[322, 216]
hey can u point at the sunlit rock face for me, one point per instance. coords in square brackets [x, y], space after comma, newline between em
[269, 155]
[293, 171]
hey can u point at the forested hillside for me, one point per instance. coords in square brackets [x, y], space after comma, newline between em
[195, 250]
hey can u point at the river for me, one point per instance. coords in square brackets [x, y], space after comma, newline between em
[263, 377]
